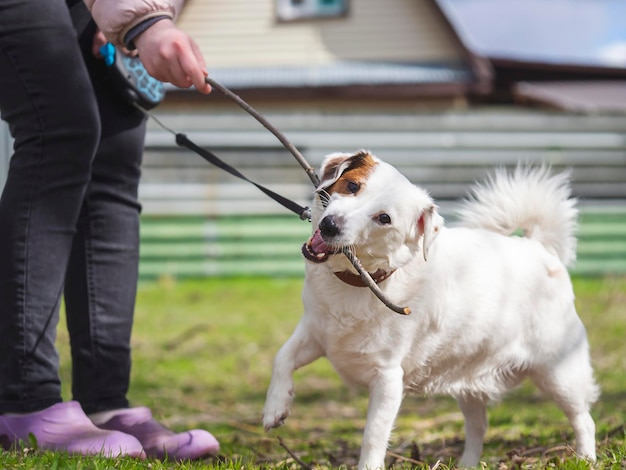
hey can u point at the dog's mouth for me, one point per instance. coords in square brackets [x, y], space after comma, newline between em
[317, 250]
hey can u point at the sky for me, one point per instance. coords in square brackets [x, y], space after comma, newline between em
[591, 32]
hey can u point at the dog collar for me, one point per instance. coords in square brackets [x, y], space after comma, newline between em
[356, 281]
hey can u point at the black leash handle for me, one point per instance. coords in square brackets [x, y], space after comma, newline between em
[182, 140]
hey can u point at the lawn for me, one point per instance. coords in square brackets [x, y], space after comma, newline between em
[203, 351]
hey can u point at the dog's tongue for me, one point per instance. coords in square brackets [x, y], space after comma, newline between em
[318, 245]
[316, 249]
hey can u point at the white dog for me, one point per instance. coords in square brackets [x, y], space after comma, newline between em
[488, 308]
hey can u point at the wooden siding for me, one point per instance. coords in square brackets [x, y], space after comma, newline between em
[201, 221]
[442, 151]
[246, 33]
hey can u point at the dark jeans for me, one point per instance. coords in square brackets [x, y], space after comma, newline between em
[69, 215]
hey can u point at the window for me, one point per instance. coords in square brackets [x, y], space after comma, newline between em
[289, 10]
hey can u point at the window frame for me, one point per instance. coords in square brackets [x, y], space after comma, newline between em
[287, 11]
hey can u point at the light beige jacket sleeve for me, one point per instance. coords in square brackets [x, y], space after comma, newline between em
[116, 17]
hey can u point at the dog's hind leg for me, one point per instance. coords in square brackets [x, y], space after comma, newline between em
[385, 397]
[570, 383]
[475, 413]
[299, 350]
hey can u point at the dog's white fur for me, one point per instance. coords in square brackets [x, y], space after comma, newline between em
[488, 309]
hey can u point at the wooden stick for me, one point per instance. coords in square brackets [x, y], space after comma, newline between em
[405, 459]
[293, 456]
[253, 112]
[367, 279]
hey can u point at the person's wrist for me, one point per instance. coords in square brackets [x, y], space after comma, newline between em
[157, 27]
[137, 30]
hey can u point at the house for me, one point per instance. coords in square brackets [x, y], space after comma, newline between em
[394, 77]
[401, 78]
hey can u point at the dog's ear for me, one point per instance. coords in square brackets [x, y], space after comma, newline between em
[332, 168]
[429, 225]
[335, 164]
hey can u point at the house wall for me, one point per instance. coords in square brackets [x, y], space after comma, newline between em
[235, 33]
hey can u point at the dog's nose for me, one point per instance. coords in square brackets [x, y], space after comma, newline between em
[328, 227]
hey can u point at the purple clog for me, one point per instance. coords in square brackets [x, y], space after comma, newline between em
[65, 427]
[160, 442]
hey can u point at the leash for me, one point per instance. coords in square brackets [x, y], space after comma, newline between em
[183, 141]
[303, 212]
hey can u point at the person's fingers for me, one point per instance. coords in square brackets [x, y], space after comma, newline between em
[99, 40]
[204, 86]
[171, 55]
[192, 67]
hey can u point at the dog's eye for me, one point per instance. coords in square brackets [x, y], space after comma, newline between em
[353, 187]
[383, 219]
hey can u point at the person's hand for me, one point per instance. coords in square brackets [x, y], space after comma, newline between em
[171, 55]
[98, 41]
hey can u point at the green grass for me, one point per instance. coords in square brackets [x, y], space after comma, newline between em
[202, 355]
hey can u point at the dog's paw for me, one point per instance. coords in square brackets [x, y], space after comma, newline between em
[275, 414]
[274, 420]
[277, 405]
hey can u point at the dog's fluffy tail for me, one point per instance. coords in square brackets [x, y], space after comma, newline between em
[528, 199]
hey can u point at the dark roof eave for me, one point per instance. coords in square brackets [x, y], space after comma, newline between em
[481, 66]
[570, 68]
[600, 96]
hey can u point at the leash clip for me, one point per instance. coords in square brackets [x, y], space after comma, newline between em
[306, 214]
[108, 54]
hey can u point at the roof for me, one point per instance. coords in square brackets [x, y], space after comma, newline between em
[566, 54]
[351, 77]
[342, 74]
[583, 32]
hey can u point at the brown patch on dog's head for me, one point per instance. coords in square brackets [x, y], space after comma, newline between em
[346, 174]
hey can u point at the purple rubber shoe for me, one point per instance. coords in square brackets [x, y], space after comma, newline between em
[160, 442]
[65, 427]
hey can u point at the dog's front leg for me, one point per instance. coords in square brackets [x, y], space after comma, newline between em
[299, 350]
[385, 397]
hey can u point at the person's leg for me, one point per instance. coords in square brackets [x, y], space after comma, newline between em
[102, 277]
[48, 102]
[102, 274]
